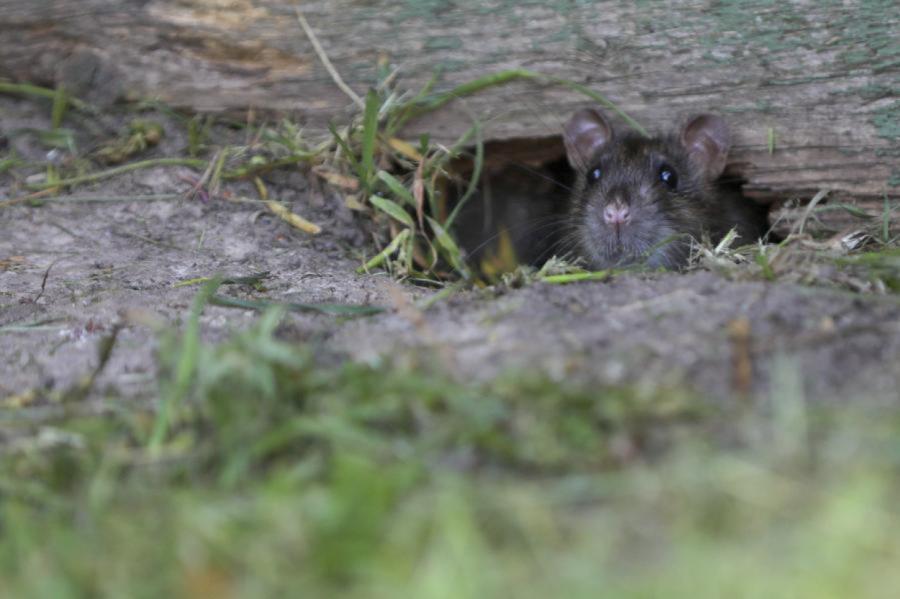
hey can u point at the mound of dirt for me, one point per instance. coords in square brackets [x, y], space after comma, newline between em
[73, 267]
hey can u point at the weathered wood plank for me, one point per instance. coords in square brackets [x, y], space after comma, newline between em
[822, 77]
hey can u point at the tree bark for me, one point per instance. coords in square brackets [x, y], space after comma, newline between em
[810, 89]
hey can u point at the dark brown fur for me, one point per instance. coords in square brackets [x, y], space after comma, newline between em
[662, 221]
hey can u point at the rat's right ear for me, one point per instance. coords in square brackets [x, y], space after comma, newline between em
[707, 141]
[585, 133]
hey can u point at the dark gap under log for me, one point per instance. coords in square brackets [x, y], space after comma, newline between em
[522, 203]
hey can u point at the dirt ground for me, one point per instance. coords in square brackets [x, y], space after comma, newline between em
[69, 271]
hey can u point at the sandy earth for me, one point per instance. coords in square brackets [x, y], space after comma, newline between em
[103, 261]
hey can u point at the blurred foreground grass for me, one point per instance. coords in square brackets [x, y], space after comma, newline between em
[276, 475]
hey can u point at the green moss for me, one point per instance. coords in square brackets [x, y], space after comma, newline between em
[426, 8]
[887, 121]
[894, 180]
[443, 42]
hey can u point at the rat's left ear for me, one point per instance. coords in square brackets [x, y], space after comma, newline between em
[706, 139]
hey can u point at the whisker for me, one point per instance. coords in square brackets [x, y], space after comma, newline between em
[533, 171]
[529, 227]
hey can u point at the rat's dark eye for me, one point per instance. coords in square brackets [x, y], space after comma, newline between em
[594, 175]
[668, 176]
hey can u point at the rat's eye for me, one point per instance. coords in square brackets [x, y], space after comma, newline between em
[594, 175]
[668, 176]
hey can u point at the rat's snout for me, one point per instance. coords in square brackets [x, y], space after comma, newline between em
[616, 214]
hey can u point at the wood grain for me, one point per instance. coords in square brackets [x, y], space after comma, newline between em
[821, 77]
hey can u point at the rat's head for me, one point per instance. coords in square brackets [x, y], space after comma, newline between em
[638, 199]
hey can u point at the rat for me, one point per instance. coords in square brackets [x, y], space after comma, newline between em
[641, 200]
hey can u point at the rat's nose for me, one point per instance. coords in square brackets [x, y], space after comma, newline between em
[616, 214]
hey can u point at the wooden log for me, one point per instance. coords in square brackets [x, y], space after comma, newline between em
[809, 88]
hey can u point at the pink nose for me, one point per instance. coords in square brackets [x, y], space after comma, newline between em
[616, 214]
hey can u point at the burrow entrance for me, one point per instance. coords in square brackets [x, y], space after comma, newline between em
[519, 211]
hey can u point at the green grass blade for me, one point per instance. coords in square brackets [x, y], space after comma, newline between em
[511, 75]
[36, 91]
[603, 101]
[60, 103]
[600, 275]
[393, 209]
[763, 261]
[253, 279]
[886, 221]
[187, 364]
[133, 166]
[473, 181]
[848, 208]
[398, 117]
[370, 134]
[474, 86]
[397, 188]
[449, 248]
[384, 254]
[348, 153]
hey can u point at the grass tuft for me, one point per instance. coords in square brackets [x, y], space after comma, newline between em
[271, 472]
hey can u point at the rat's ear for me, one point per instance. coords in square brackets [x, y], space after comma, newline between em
[706, 139]
[585, 133]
